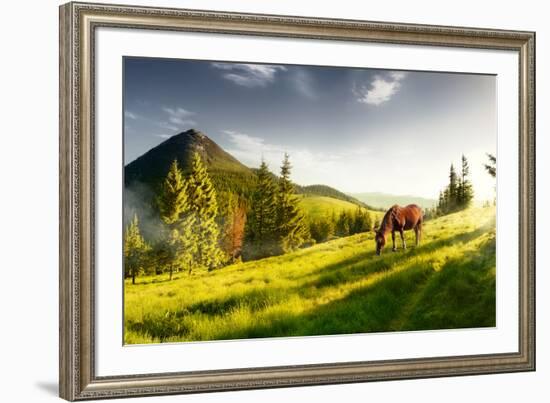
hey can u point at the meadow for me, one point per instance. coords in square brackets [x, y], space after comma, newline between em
[321, 206]
[337, 287]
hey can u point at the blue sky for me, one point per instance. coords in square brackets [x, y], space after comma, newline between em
[358, 130]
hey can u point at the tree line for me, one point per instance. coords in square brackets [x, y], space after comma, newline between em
[346, 223]
[275, 224]
[190, 237]
[459, 193]
[203, 229]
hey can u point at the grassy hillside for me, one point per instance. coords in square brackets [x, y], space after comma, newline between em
[332, 288]
[385, 200]
[322, 206]
[324, 190]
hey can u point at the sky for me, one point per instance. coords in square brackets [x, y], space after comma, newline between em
[355, 129]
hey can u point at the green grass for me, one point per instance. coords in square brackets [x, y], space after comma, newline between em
[332, 288]
[322, 206]
[385, 200]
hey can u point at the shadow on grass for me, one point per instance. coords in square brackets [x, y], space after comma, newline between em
[168, 324]
[417, 297]
[157, 280]
[255, 300]
[366, 263]
[460, 295]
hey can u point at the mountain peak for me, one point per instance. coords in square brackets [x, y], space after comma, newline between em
[193, 133]
[151, 167]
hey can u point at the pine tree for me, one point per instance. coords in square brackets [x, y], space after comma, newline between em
[361, 221]
[204, 207]
[232, 219]
[453, 188]
[291, 226]
[261, 223]
[321, 229]
[343, 224]
[491, 167]
[459, 193]
[179, 240]
[441, 203]
[135, 249]
[172, 201]
[237, 230]
[447, 198]
[466, 188]
[315, 230]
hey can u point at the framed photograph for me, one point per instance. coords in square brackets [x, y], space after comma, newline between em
[256, 201]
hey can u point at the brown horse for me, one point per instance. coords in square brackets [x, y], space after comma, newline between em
[399, 219]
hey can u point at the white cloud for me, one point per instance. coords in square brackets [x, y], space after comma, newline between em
[308, 166]
[381, 89]
[249, 75]
[178, 115]
[128, 128]
[178, 119]
[165, 135]
[169, 126]
[130, 115]
[244, 142]
[398, 75]
[303, 82]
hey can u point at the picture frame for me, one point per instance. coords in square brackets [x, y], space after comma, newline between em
[79, 23]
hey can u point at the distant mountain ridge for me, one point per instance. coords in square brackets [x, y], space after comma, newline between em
[386, 200]
[324, 190]
[227, 173]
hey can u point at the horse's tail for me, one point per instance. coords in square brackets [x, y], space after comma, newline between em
[419, 224]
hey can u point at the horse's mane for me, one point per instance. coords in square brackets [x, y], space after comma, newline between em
[387, 216]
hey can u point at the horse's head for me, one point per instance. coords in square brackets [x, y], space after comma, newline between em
[380, 240]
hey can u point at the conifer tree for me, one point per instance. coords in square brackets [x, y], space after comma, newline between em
[453, 188]
[441, 203]
[261, 223]
[321, 229]
[172, 201]
[204, 206]
[315, 230]
[466, 188]
[292, 230]
[361, 221]
[232, 219]
[343, 227]
[135, 249]
[459, 193]
[179, 241]
[236, 230]
[491, 167]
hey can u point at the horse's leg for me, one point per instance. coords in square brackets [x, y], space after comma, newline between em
[418, 231]
[402, 238]
[393, 240]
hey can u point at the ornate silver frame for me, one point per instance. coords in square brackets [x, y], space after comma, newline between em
[78, 22]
